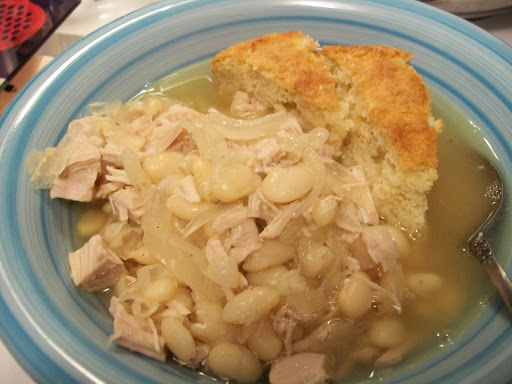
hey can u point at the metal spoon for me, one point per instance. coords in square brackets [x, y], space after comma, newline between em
[481, 249]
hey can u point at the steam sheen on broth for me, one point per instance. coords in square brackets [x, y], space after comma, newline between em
[439, 248]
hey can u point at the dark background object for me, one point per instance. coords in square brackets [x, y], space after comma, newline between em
[24, 26]
[472, 9]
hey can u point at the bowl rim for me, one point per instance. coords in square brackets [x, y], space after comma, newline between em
[95, 39]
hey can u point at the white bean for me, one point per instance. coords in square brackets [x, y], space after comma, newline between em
[188, 162]
[183, 298]
[355, 296]
[314, 259]
[186, 210]
[209, 325]
[178, 339]
[250, 305]
[269, 277]
[223, 270]
[160, 165]
[284, 185]
[264, 341]
[231, 182]
[424, 283]
[91, 223]
[202, 171]
[324, 211]
[272, 252]
[233, 361]
[143, 256]
[291, 282]
[162, 290]
[387, 332]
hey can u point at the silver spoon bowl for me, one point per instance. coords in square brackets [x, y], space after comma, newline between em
[480, 247]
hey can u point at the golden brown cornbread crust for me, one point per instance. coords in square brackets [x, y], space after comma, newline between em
[286, 57]
[397, 100]
[373, 102]
[281, 68]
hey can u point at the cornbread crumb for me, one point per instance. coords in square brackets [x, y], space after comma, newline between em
[373, 102]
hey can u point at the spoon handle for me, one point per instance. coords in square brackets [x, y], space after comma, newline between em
[480, 248]
[500, 279]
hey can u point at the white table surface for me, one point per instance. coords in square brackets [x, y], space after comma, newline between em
[90, 15]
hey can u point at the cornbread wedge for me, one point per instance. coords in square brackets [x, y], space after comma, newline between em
[373, 102]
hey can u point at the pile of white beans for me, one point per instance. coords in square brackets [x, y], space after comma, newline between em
[222, 313]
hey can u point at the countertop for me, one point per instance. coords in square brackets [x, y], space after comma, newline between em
[90, 15]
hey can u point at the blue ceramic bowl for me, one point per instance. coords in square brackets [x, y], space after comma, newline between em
[58, 332]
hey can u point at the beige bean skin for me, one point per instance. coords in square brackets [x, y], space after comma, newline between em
[284, 185]
[233, 361]
[178, 339]
[264, 341]
[160, 165]
[223, 270]
[162, 290]
[314, 259]
[387, 332]
[230, 182]
[424, 283]
[355, 296]
[209, 325]
[269, 277]
[202, 171]
[143, 256]
[250, 305]
[272, 252]
[91, 223]
[324, 212]
[291, 282]
[183, 298]
[186, 210]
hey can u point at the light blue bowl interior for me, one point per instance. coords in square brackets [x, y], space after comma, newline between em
[58, 332]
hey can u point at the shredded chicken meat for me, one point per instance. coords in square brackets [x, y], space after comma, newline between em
[228, 235]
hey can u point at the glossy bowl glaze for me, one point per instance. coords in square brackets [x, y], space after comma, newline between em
[59, 332]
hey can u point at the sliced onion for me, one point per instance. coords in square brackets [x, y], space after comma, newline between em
[238, 129]
[59, 160]
[143, 308]
[205, 218]
[135, 172]
[38, 169]
[313, 160]
[381, 291]
[208, 139]
[185, 260]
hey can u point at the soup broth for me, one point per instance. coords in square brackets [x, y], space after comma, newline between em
[456, 207]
